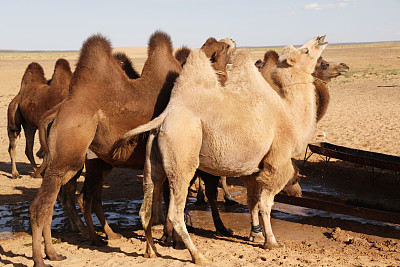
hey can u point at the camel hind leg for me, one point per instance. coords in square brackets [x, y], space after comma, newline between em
[12, 150]
[153, 178]
[30, 131]
[276, 172]
[179, 145]
[13, 132]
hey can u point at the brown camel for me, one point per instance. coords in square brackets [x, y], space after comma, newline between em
[102, 105]
[36, 96]
[247, 131]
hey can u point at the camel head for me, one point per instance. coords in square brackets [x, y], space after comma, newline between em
[305, 57]
[327, 70]
[219, 52]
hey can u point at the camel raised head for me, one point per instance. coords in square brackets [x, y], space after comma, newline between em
[36, 96]
[323, 73]
[247, 131]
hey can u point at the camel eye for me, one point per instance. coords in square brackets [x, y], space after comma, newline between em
[307, 52]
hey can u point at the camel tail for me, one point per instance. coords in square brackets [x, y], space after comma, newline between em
[12, 113]
[120, 146]
[45, 121]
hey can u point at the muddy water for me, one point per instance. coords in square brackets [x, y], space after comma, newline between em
[124, 214]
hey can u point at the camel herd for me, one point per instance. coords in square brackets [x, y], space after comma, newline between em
[184, 116]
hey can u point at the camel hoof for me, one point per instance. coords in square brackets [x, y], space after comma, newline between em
[200, 202]
[150, 255]
[202, 260]
[113, 236]
[56, 257]
[34, 175]
[225, 232]
[178, 245]
[256, 237]
[16, 176]
[270, 246]
[99, 243]
[230, 202]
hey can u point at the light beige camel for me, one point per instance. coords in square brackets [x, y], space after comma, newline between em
[247, 131]
[323, 73]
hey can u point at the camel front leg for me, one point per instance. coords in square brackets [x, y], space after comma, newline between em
[253, 198]
[41, 216]
[211, 185]
[227, 195]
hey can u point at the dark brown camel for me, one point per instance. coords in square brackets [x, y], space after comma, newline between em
[102, 105]
[36, 96]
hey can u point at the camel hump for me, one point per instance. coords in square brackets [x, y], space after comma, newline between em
[62, 64]
[93, 49]
[33, 73]
[271, 55]
[126, 64]
[242, 60]
[159, 38]
[182, 54]
[62, 73]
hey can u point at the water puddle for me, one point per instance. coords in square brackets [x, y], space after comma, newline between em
[124, 214]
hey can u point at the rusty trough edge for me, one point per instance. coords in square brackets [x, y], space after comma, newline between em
[357, 211]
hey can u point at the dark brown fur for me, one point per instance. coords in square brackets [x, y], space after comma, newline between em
[35, 98]
[102, 105]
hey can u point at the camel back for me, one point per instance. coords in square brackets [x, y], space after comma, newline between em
[34, 73]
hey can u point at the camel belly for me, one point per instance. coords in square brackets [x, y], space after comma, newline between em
[230, 156]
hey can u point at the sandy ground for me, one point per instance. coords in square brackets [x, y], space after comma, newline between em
[363, 114]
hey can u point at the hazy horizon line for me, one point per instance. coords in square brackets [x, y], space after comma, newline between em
[239, 47]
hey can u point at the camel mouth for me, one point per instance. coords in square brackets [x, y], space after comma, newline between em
[321, 40]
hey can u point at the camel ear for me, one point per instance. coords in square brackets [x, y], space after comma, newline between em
[288, 55]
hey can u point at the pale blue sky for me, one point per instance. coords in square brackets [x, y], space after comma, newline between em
[64, 25]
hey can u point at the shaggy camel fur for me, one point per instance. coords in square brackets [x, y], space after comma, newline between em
[103, 104]
[66, 195]
[248, 131]
[323, 73]
[36, 96]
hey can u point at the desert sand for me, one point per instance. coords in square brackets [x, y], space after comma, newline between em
[363, 114]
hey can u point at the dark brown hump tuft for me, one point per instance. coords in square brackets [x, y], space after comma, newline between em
[63, 64]
[271, 55]
[126, 64]
[159, 38]
[33, 73]
[182, 54]
[95, 46]
[62, 73]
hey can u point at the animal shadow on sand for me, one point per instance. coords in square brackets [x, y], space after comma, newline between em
[72, 239]
[10, 254]
[24, 168]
